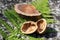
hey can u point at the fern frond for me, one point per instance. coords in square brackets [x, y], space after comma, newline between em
[19, 20]
[45, 16]
[50, 20]
[17, 16]
[43, 7]
[7, 14]
[9, 28]
[3, 33]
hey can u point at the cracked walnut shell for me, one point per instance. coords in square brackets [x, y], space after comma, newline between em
[29, 27]
[26, 10]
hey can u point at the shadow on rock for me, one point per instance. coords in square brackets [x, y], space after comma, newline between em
[49, 33]
[58, 17]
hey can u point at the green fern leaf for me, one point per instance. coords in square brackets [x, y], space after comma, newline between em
[9, 28]
[7, 14]
[3, 33]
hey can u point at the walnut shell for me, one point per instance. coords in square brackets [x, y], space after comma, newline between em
[41, 25]
[26, 9]
[29, 27]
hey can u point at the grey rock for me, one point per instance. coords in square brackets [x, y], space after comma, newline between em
[27, 38]
[50, 39]
[55, 9]
[1, 38]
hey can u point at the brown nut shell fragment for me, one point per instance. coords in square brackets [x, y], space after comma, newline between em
[29, 27]
[26, 9]
[41, 25]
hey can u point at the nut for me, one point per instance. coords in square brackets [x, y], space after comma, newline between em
[29, 27]
[26, 10]
[41, 25]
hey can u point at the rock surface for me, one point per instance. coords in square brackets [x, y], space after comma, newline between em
[55, 10]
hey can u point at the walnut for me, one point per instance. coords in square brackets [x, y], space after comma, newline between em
[29, 27]
[26, 9]
[41, 25]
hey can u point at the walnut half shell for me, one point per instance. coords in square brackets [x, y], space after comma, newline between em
[29, 27]
[41, 25]
[26, 10]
